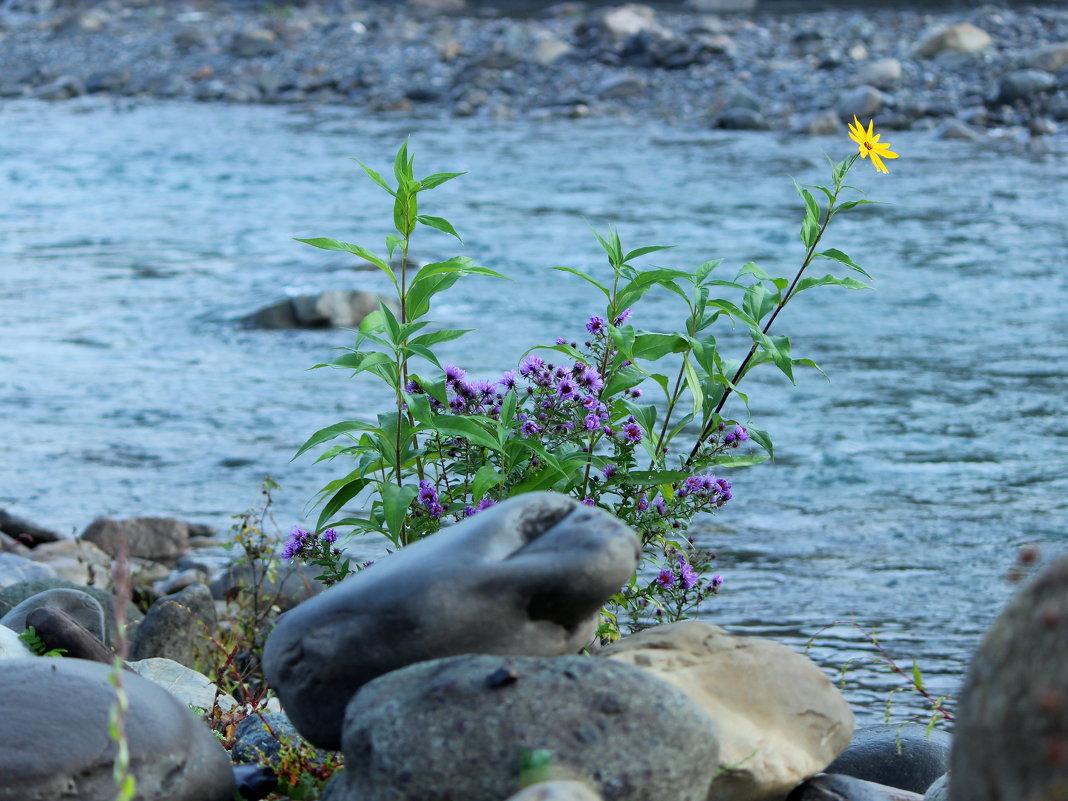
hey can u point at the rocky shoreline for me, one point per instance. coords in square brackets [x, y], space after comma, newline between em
[961, 70]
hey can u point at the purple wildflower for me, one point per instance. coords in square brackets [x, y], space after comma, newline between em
[530, 428]
[412, 386]
[635, 393]
[592, 422]
[687, 575]
[643, 503]
[435, 509]
[560, 341]
[632, 432]
[608, 471]
[566, 389]
[591, 379]
[590, 402]
[716, 581]
[457, 404]
[330, 535]
[294, 546]
[665, 578]
[659, 505]
[486, 503]
[453, 374]
[531, 364]
[595, 325]
[428, 494]
[622, 318]
[589, 501]
[507, 379]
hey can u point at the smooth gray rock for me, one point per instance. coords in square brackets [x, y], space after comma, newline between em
[457, 727]
[177, 627]
[616, 87]
[162, 539]
[334, 308]
[1011, 735]
[194, 690]
[1022, 84]
[742, 119]
[64, 751]
[836, 787]
[527, 576]
[1052, 58]
[60, 632]
[883, 73]
[562, 790]
[16, 569]
[960, 38]
[81, 606]
[12, 596]
[939, 791]
[11, 647]
[863, 102]
[907, 757]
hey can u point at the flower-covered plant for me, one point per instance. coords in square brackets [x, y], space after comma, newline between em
[573, 416]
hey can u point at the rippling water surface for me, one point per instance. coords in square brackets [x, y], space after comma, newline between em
[133, 239]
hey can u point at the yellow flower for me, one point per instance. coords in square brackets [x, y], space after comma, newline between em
[870, 145]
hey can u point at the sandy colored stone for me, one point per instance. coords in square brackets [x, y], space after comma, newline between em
[779, 718]
[79, 561]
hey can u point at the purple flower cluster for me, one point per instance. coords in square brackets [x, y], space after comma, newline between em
[428, 496]
[683, 575]
[711, 491]
[736, 437]
[301, 543]
[484, 504]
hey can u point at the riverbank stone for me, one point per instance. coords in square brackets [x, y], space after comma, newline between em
[563, 790]
[11, 647]
[458, 728]
[162, 539]
[908, 756]
[836, 787]
[1011, 735]
[193, 689]
[527, 576]
[81, 606]
[778, 718]
[17, 569]
[60, 632]
[177, 627]
[79, 561]
[12, 596]
[24, 531]
[173, 756]
[963, 37]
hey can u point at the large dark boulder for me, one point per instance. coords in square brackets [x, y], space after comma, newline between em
[527, 576]
[908, 756]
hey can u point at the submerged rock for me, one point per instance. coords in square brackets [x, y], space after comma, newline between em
[527, 576]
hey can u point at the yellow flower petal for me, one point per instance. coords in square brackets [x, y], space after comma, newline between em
[879, 166]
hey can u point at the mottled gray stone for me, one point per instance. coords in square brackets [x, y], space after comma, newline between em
[457, 727]
[66, 752]
[1022, 84]
[12, 596]
[863, 102]
[16, 569]
[562, 790]
[907, 756]
[81, 606]
[162, 539]
[883, 73]
[1011, 735]
[253, 742]
[960, 38]
[25, 532]
[527, 576]
[177, 627]
[60, 632]
[193, 689]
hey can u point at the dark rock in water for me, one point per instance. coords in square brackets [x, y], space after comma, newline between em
[836, 787]
[80, 606]
[15, 569]
[59, 631]
[254, 782]
[48, 756]
[1011, 737]
[177, 627]
[527, 576]
[863, 102]
[907, 757]
[162, 539]
[619, 86]
[12, 596]
[25, 532]
[336, 308]
[447, 729]
[742, 119]
[255, 43]
[1023, 84]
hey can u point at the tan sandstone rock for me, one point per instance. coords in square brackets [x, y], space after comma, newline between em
[779, 718]
[79, 561]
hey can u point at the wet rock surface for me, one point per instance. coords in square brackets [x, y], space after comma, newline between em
[572, 59]
[907, 756]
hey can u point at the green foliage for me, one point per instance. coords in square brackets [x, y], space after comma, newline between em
[579, 424]
[32, 640]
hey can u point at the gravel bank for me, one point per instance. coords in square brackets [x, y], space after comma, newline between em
[961, 70]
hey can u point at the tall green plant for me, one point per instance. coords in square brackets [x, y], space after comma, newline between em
[451, 447]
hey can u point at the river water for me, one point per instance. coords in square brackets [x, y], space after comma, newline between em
[133, 239]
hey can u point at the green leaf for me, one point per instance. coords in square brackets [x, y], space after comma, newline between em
[439, 223]
[757, 301]
[829, 280]
[694, 383]
[486, 478]
[917, 677]
[360, 361]
[330, 432]
[346, 493]
[325, 243]
[437, 179]
[374, 176]
[401, 164]
[457, 264]
[445, 335]
[652, 346]
[852, 204]
[391, 322]
[508, 407]
[644, 251]
[421, 291]
[836, 255]
[465, 427]
[624, 378]
[395, 503]
[810, 229]
[405, 211]
[586, 277]
[763, 439]
[702, 272]
[812, 208]
[392, 243]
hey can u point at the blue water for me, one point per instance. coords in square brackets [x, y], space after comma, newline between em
[133, 238]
